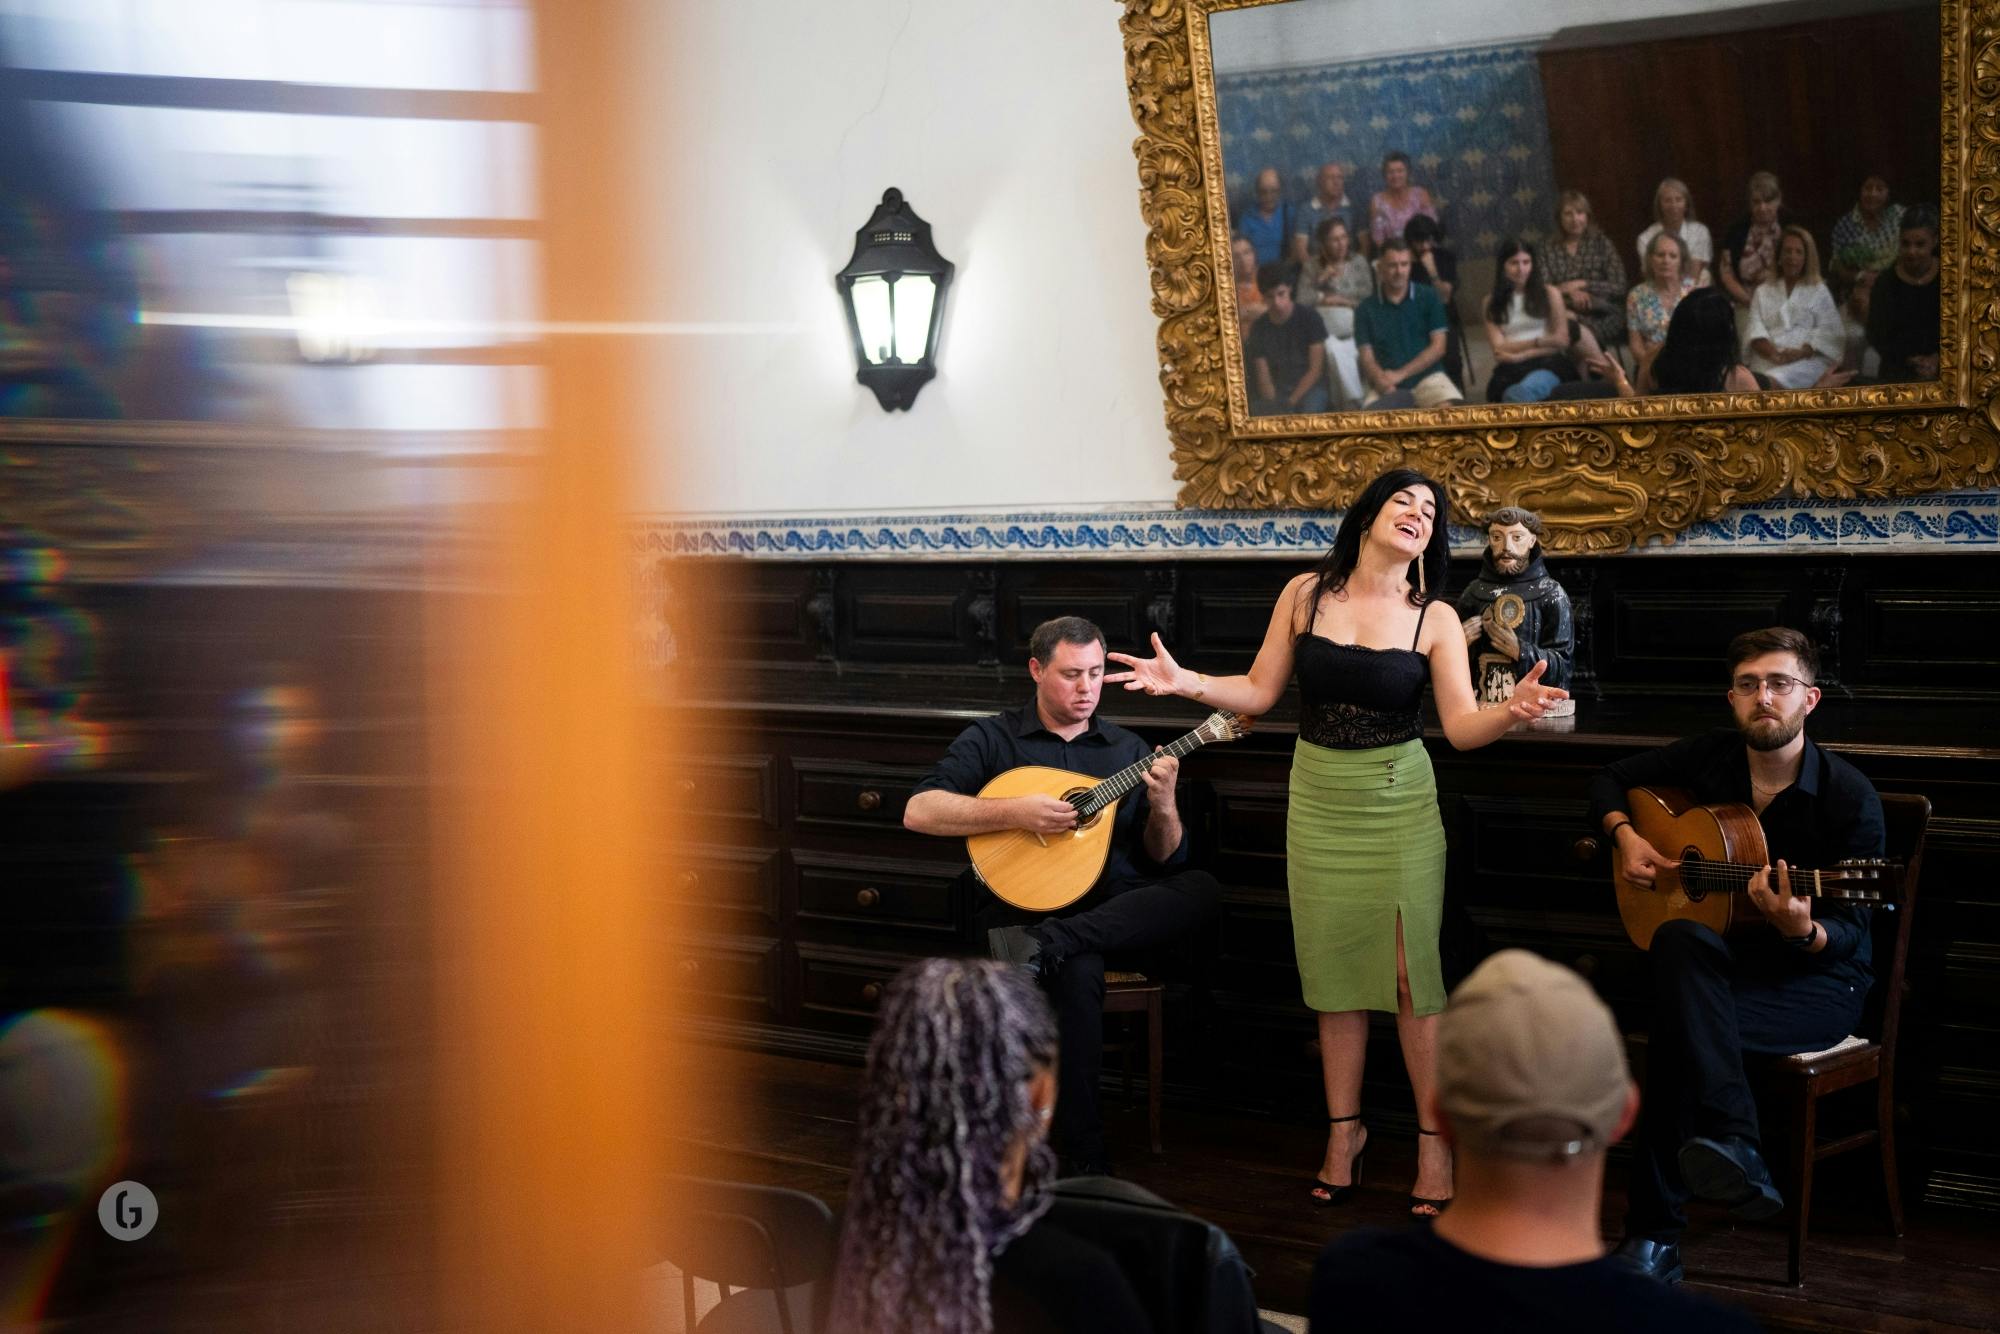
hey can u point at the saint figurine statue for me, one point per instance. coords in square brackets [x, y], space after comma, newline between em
[1515, 614]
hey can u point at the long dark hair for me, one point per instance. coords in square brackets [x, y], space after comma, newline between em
[1535, 298]
[1700, 347]
[944, 1101]
[1345, 553]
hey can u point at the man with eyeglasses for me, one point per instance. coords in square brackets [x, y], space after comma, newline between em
[1798, 987]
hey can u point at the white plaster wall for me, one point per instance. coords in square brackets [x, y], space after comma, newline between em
[770, 129]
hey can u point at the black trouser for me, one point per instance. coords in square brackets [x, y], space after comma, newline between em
[1711, 1005]
[1118, 920]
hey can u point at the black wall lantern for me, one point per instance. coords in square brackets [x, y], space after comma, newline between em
[893, 289]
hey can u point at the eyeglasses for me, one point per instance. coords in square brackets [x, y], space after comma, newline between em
[1779, 684]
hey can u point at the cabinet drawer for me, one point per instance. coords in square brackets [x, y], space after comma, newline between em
[729, 787]
[842, 989]
[851, 794]
[736, 977]
[724, 882]
[877, 892]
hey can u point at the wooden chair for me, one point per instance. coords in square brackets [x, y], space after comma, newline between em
[1803, 1080]
[1135, 993]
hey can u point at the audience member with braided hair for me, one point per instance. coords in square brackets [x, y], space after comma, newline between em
[944, 1225]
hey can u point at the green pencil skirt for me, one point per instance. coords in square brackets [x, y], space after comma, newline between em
[1364, 845]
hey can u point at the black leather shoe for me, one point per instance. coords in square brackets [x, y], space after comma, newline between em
[1731, 1173]
[1659, 1260]
[1018, 946]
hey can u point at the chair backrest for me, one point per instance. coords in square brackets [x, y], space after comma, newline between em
[1906, 818]
[745, 1236]
[1186, 1271]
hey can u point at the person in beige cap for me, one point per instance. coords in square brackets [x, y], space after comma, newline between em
[1531, 1090]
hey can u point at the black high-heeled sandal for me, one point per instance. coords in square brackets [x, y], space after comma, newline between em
[1418, 1204]
[1335, 1194]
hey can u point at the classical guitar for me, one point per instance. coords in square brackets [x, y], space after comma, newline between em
[1043, 872]
[1720, 849]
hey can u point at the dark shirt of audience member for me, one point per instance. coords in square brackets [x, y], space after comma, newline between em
[1701, 354]
[1582, 263]
[1286, 350]
[1400, 335]
[1749, 255]
[1271, 221]
[1864, 242]
[1903, 306]
[1329, 200]
[1392, 207]
[1531, 1091]
[944, 1228]
[1435, 265]
[1249, 298]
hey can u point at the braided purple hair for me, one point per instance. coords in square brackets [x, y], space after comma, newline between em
[945, 1099]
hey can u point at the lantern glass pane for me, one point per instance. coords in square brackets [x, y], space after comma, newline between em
[871, 316]
[915, 294]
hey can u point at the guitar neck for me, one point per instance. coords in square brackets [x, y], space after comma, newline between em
[1805, 883]
[1122, 782]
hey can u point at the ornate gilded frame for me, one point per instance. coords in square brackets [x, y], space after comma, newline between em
[1606, 475]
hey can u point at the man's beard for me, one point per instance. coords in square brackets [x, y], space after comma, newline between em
[1510, 564]
[1757, 736]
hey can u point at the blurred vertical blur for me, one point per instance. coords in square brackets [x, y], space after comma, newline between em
[330, 688]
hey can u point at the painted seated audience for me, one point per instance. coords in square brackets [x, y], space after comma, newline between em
[1750, 246]
[1651, 304]
[1583, 265]
[1700, 355]
[1270, 220]
[1673, 213]
[1531, 1090]
[1249, 300]
[1392, 207]
[1335, 281]
[1903, 309]
[1329, 201]
[1527, 326]
[1285, 353]
[1795, 334]
[944, 1228]
[1865, 241]
[1435, 265]
[1400, 335]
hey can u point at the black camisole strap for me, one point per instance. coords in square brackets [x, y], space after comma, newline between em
[1420, 626]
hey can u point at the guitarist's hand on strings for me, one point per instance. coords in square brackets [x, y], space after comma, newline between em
[1042, 814]
[1789, 914]
[1638, 860]
[1157, 675]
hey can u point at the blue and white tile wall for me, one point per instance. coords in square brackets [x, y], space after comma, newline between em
[1950, 521]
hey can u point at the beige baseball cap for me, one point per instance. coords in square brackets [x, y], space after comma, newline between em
[1530, 1061]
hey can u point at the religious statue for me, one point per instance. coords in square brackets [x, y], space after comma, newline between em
[1515, 614]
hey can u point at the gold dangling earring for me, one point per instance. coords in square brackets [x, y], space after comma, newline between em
[1421, 592]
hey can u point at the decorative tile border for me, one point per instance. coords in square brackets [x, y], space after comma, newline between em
[1923, 523]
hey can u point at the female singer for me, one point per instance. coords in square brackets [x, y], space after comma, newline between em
[1364, 843]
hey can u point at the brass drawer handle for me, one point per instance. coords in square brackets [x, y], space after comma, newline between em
[869, 800]
[867, 898]
[872, 992]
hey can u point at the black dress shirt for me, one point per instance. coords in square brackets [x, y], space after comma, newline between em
[1831, 813]
[1016, 737]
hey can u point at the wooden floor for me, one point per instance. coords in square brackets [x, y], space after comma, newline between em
[791, 1122]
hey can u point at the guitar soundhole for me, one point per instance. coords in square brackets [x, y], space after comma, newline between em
[1691, 885]
[1075, 798]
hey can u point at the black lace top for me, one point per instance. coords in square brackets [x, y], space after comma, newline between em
[1354, 698]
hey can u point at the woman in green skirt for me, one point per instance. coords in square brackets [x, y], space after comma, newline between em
[1364, 843]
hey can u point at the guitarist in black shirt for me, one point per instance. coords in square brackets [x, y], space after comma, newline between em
[1798, 987]
[1146, 897]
